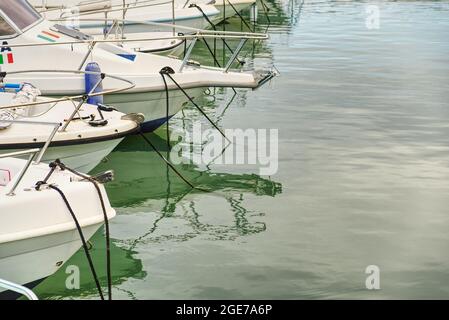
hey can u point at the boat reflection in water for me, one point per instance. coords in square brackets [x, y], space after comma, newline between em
[125, 267]
[155, 207]
[157, 210]
[143, 182]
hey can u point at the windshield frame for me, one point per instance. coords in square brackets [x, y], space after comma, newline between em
[11, 24]
[15, 27]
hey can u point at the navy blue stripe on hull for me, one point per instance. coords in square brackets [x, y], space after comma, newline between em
[151, 126]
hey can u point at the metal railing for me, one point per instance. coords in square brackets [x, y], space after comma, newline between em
[197, 35]
[32, 153]
[39, 153]
[130, 85]
[30, 295]
[93, 43]
[125, 6]
[47, 143]
[119, 24]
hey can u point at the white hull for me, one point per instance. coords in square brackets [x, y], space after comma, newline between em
[45, 254]
[227, 11]
[81, 146]
[153, 105]
[142, 69]
[81, 157]
[37, 232]
[152, 46]
[197, 22]
[137, 16]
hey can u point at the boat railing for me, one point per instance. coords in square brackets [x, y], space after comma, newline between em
[23, 291]
[81, 99]
[124, 6]
[183, 29]
[129, 84]
[31, 153]
[38, 154]
[242, 37]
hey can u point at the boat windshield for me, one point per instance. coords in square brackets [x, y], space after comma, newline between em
[20, 12]
[5, 28]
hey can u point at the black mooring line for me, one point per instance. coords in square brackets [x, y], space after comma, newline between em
[171, 165]
[215, 29]
[198, 107]
[167, 110]
[58, 163]
[212, 53]
[240, 16]
[83, 239]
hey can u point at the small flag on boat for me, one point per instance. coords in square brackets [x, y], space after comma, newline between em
[48, 36]
[6, 55]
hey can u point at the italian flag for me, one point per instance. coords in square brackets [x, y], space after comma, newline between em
[8, 58]
[6, 55]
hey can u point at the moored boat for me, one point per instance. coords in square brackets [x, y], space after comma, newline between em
[59, 48]
[80, 134]
[32, 249]
[74, 11]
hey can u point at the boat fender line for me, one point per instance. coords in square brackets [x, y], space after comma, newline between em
[87, 246]
[102, 121]
[106, 108]
[165, 72]
[93, 83]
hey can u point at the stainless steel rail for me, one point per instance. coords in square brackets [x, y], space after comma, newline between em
[130, 86]
[40, 152]
[199, 34]
[30, 295]
[32, 153]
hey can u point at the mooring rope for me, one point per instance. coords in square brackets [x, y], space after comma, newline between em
[53, 166]
[170, 165]
[240, 16]
[83, 239]
[266, 10]
[167, 71]
[167, 108]
[215, 29]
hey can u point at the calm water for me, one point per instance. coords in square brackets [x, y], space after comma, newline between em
[363, 179]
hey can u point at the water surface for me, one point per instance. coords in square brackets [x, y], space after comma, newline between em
[363, 175]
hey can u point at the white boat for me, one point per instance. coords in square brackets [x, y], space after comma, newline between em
[34, 44]
[190, 13]
[80, 139]
[161, 11]
[37, 232]
[149, 42]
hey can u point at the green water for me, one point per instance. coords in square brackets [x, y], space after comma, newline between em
[363, 171]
